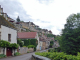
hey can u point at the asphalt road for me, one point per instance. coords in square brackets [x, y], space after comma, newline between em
[21, 57]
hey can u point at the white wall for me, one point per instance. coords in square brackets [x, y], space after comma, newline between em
[4, 34]
[0, 29]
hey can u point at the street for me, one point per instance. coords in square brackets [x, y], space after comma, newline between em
[21, 57]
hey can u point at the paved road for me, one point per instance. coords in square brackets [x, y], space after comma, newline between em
[21, 57]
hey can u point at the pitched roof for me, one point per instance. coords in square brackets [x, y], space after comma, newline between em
[26, 35]
[4, 22]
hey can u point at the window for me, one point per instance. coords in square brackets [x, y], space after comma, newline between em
[9, 37]
[0, 35]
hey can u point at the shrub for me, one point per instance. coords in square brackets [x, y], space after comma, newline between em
[57, 49]
[16, 54]
[24, 46]
[28, 52]
[30, 46]
[50, 50]
[2, 55]
[58, 56]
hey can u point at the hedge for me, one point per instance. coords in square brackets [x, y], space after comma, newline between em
[58, 56]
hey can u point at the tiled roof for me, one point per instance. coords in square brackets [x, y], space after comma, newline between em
[26, 35]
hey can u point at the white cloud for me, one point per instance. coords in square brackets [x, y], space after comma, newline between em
[55, 12]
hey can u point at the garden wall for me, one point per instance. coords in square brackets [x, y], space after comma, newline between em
[23, 50]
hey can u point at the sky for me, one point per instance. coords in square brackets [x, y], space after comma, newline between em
[48, 14]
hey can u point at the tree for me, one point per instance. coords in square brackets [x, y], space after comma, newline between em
[4, 44]
[70, 42]
[14, 46]
[18, 19]
[20, 42]
[58, 38]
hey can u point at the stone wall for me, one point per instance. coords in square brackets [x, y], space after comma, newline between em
[30, 50]
[23, 50]
[37, 57]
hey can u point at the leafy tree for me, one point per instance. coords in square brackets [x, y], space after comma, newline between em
[18, 19]
[4, 44]
[70, 42]
[58, 38]
[19, 41]
[14, 46]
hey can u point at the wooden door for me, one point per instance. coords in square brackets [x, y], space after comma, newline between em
[9, 52]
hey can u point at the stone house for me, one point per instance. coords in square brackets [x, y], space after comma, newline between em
[2, 13]
[29, 35]
[7, 33]
[1, 10]
[56, 44]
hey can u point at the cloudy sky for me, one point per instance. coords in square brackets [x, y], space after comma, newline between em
[48, 14]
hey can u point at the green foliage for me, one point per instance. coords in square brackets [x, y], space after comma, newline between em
[57, 49]
[16, 54]
[28, 42]
[24, 46]
[4, 43]
[28, 52]
[58, 38]
[18, 19]
[2, 55]
[54, 49]
[30, 46]
[50, 35]
[14, 45]
[70, 41]
[58, 56]
[51, 43]
[50, 50]
[19, 41]
[7, 44]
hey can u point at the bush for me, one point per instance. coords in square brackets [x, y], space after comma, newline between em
[30, 46]
[50, 50]
[28, 52]
[16, 54]
[2, 55]
[57, 49]
[58, 56]
[24, 46]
